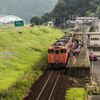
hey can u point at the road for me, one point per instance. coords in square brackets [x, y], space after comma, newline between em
[96, 72]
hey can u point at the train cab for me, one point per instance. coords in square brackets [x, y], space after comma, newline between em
[57, 56]
[59, 52]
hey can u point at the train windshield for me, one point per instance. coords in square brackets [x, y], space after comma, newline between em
[62, 51]
[56, 51]
[50, 51]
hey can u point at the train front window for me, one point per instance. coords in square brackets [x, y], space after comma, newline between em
[56, 51]
[50, 51]
[62, 51]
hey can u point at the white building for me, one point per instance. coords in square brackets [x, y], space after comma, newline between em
[50, 23]
[94, 38]
[89, 21]
[9, 18]
[70, 23]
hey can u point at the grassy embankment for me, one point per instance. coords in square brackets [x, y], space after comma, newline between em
[75, 93]
[19, 52]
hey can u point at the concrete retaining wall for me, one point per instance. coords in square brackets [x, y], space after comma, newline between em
[78, 71]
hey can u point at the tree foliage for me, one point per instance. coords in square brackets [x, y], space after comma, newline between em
[68, 9]
[36, 20]
[26, 9]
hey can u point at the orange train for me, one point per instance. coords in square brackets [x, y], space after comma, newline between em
[58, 53]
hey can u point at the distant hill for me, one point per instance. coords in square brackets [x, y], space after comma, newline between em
[69, 9]
[72, 8]
[26, 9]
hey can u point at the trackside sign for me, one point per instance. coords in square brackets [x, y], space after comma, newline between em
[19, 23]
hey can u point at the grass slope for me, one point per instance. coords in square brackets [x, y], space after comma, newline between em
[19, 52]
[75, 93]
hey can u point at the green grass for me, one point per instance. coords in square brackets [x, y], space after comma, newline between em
[78, 93]
[27, 48]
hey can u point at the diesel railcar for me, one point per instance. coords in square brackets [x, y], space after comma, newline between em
[58, 53]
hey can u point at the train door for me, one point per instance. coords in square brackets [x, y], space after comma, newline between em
[57, 56]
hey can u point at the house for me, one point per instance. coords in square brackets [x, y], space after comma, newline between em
[50, 23]
[70, 23]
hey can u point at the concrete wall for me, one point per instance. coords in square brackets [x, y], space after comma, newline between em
[78, 71]
[94, 39]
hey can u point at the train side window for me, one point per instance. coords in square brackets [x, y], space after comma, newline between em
[50, 51]
[62, 51]
[56, 51]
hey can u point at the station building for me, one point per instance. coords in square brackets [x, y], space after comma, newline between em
[93, 38]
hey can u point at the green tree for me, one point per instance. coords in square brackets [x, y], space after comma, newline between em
[36, 20]
[46, 17]
[69, 8]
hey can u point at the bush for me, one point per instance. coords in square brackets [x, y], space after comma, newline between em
[78, 93]
[19, 71]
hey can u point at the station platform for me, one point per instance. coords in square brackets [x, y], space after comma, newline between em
[78, 66]
[79, 61]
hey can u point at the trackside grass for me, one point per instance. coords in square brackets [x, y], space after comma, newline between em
[19, 52]
[75, 93]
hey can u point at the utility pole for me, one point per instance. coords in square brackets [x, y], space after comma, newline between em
[60, 22]
[84, 30]
[4, 16]
[64, 23]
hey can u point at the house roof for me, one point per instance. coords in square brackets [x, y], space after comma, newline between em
[86, 18]
[9, 18]
[88, 33]
[50, 22]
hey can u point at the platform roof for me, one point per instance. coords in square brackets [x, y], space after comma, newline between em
[88, 33]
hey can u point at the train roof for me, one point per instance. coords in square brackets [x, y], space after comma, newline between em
[60, 44]
[63, 41]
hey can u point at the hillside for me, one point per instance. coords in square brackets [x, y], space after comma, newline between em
[19, 52]
[69, 9]
[72, 8]
[26, 9]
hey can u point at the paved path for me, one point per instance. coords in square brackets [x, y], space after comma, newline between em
[96, 72]
[76, 60]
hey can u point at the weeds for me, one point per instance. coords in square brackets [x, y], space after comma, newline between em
[17, 72]
[78, 93]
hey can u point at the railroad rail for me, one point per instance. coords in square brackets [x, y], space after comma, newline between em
[49, 86]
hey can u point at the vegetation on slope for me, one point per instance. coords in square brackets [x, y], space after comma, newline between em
[75, 93]
[19, 52]
[69, 9]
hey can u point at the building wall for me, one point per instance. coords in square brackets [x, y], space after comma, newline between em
[50, 24]
[94, 40]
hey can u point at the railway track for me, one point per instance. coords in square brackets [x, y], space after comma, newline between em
[47, 91]
[52, 85]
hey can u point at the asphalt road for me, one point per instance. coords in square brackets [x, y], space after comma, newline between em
[96, 72]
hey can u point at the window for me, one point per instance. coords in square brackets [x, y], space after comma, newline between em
[91, 38]
[62, 51]
[94, 38]
[56, 47]
[56, 51]
[50, 51]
